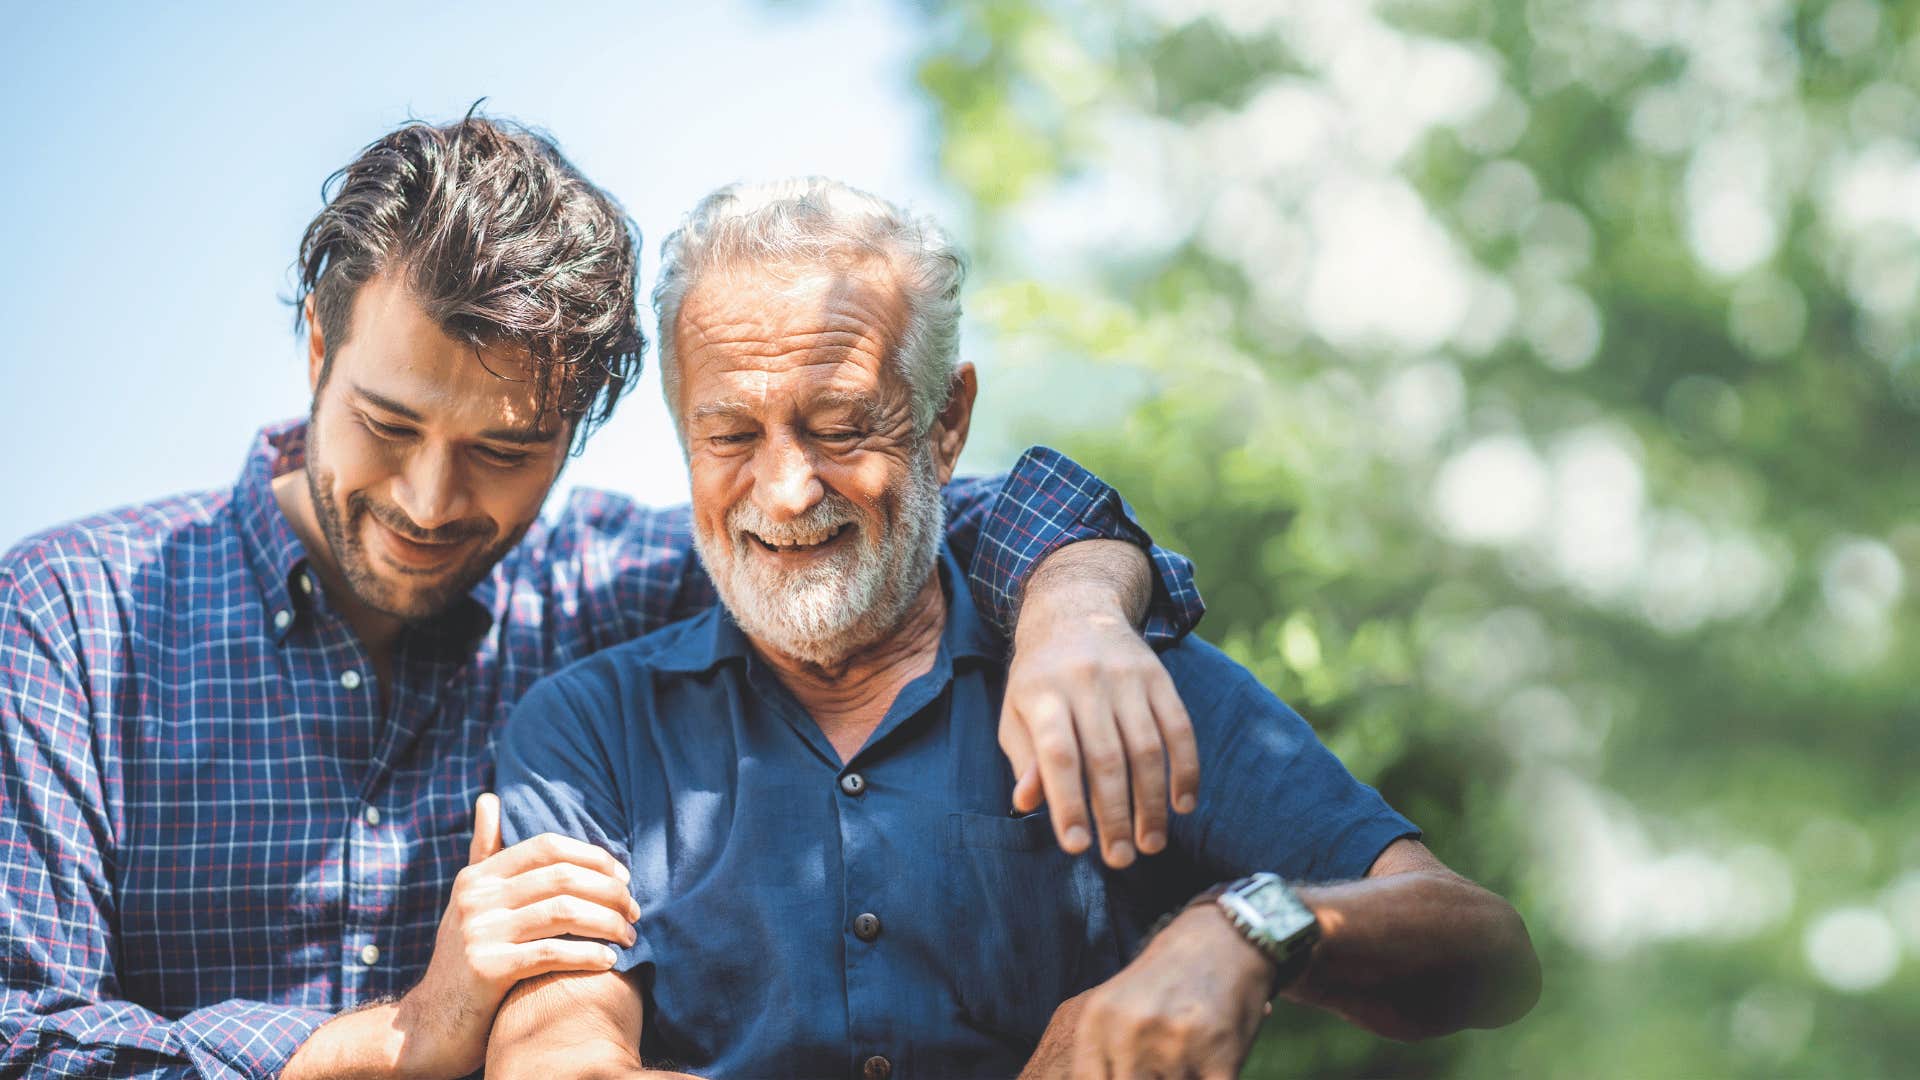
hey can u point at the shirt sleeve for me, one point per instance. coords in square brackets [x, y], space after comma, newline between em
[554, 773]
[1272, 797]
[1002, 527]
[60, 1009]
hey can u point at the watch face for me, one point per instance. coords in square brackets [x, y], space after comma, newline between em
[1284, 915]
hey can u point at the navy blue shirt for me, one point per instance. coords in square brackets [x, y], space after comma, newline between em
[801, 914]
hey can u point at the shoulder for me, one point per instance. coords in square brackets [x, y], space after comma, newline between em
[1209, 679]
[108, 552]
[610, 683]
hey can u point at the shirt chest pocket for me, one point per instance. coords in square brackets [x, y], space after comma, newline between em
[1029, 925]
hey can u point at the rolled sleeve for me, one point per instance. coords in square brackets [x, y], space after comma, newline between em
[1049, 501]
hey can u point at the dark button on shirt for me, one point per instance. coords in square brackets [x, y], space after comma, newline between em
[686, 757]
[853, 783]
[866, 926]
[877, 1068]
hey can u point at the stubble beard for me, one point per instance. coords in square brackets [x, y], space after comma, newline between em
[824, 613]
[343, 531]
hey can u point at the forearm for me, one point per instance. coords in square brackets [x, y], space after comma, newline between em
[573, 1026]
[1418, 954]
[1090, 578]
[366, 1044]
[560, 1053]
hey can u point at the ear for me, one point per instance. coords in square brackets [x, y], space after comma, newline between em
[316, 347]
[949, 432]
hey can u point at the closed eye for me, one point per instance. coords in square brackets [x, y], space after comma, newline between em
[505, 459]
[385, 431]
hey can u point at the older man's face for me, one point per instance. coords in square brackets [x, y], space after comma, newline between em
[816, 507]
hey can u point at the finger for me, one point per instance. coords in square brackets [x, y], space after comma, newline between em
[1027, 793]
[548, 849]
[1018, 746]
[1176, 735]
[566, 879]
[1106, 777]
[558, 954]
[1050, 726]
[559, 915]
[1147, 767]
[486, 828]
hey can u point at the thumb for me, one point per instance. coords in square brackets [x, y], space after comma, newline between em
[486, 828]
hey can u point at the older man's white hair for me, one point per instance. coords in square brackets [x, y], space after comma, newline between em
[813, 222]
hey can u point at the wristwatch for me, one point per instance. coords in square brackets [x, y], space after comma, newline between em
[1272, 920]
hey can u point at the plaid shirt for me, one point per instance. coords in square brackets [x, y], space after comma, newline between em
[213, 836]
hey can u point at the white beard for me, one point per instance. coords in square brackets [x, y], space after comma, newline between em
[823, 613]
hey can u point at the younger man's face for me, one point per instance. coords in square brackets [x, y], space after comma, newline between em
[423, 462]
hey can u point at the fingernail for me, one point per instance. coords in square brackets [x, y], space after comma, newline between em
[1185, 804]
[613, 957]
[625, 874]
[1077, 838]
[1153, 842]
[1120, 854]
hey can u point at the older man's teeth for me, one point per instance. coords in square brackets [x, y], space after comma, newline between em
[803, 541]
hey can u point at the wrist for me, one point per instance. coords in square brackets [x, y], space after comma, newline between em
[364, 1043]
[1204, 931]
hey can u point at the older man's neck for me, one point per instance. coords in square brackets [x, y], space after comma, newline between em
[849, 699]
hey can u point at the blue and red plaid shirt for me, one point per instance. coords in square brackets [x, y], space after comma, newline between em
[212, 835]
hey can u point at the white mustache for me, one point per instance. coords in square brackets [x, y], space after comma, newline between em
[813, 527]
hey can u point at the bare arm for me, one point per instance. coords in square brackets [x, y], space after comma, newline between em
[574, 1025]
[1412, 951]
[1415, 950]
[1086, 696]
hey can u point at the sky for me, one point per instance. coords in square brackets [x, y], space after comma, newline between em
[172, 157]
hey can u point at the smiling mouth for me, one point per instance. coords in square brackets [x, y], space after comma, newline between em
[412, 556]
[800, 545]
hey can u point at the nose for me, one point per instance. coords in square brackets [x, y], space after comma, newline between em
[785, 484]
[430, 490]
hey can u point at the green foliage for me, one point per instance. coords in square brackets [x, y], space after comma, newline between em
[1534, 385]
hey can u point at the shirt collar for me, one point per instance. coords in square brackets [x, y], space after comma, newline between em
[714, 637]
[279, 560]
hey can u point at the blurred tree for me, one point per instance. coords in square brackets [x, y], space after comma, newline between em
[1535, 385]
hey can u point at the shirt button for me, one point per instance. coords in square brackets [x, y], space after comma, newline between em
[853, 783]
[876, 1068]
[306, 584]
[370, 955]
[866, 926]
[372, 815]
[350, 680]
[281, 619]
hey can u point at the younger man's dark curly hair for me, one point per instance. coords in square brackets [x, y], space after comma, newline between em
[501, 241]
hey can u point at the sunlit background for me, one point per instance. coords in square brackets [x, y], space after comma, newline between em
[1535, 384]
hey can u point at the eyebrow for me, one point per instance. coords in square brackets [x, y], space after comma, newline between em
[869, 409]
[518, 436]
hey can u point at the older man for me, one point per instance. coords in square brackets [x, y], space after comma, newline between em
[806, 785]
